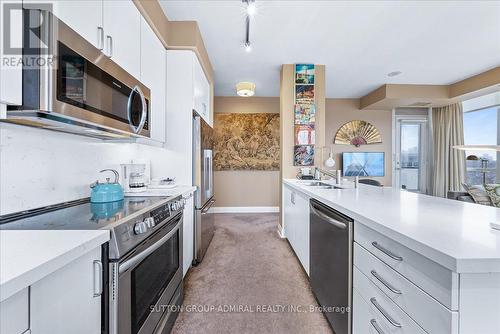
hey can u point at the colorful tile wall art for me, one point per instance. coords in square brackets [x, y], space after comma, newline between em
[304, 134]
[303, 155]
[304, 94]
[304, 74]
[304, 115]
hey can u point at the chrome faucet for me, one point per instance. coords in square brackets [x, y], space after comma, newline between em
[336, 175]
[318, 172]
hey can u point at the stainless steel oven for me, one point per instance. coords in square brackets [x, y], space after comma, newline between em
[78, 88]
[146, 285]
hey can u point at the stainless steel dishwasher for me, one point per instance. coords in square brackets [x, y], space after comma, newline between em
[331, 235]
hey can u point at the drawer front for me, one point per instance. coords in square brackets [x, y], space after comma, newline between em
[363, 320]
[14, 313]
[438, 281]
[431, 315]
[389, 318]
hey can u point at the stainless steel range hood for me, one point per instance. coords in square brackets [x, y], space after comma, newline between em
[63, 123]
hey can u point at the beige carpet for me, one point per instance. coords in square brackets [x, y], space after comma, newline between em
[252, 282]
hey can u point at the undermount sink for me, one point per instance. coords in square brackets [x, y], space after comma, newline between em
[311, 183]
[319, 185]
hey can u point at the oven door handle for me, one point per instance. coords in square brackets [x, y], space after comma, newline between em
[148, 251]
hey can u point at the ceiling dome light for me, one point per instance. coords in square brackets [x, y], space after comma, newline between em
[245, 89]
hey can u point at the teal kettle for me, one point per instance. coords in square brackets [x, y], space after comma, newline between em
[106, 192]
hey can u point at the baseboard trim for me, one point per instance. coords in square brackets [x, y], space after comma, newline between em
[281, 232]
[245, 209]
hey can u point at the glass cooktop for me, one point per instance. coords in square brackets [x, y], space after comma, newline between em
[80, 216]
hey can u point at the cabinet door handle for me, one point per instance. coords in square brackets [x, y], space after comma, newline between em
[109, 40]
[387, 252]
[97, 278]
[100, 37]
[376, 326]
[385, 283]
[386, 315]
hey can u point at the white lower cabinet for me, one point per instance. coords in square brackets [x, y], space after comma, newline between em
[69, 299]
[188, 234]
[296, 223]
[66, 301]
[436, 280]
[389, 318]
[431, 315]
[408, 292]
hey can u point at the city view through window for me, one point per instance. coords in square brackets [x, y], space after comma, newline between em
[480, 128]
[410, 156]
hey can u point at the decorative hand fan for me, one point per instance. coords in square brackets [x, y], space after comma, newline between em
[357, 133]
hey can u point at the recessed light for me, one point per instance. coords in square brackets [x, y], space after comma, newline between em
[251, 9]
[248, 47]
[394, 73]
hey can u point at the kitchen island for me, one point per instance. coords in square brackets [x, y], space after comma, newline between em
[436, 261]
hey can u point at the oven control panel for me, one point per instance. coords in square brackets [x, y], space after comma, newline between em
[165, 211]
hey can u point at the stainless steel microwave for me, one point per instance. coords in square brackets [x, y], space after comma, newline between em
[70, 85]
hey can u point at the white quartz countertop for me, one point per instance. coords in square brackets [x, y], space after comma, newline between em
[455, 234]
[27, 256]
[179, 190]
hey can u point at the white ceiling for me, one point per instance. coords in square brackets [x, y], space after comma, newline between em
[431, 42]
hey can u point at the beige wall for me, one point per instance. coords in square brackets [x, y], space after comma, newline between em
[246, 188]
[340, 111]
[390, 96]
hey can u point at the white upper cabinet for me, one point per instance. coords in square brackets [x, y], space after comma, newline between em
[122, 33]
[10, 71]
[113, 26]
[154, 76]
[201, 91]
[84, 17]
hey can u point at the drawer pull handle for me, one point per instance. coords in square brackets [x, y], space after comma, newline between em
[385, 283]
[384, 313]
[376, 326]
[387, 252]
[97, 278]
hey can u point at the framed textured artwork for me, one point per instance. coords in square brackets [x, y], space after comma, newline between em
[305, 113]
[304, 134]
[304, 74]
[304, 94]
[246, 141]
[303, 155]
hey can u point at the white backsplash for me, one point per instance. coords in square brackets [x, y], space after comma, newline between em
[40, 167]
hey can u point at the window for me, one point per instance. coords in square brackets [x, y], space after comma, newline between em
[481, 128]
